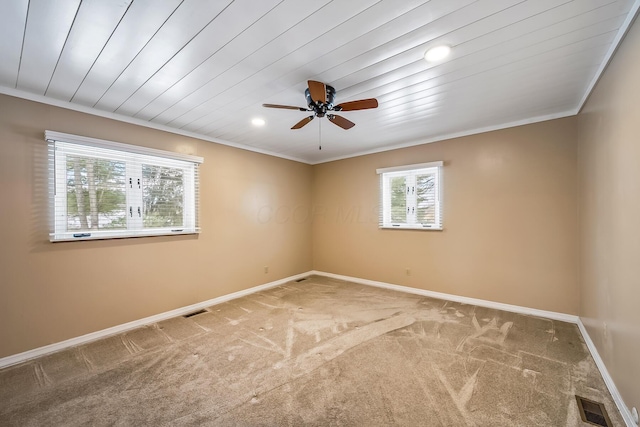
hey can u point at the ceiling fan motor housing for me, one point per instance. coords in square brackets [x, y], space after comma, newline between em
[320, 108]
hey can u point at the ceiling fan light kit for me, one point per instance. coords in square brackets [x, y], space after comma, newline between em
[320, 100]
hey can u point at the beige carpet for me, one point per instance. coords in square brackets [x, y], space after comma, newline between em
[319, 352]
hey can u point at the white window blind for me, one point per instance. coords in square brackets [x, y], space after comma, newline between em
[103, 189]
[410, 196]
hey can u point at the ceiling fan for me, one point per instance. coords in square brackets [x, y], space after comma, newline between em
[320, 98]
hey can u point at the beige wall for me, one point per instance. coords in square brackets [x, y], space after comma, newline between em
[510, 233]
[50, 292]
[609, 165]
[510, 209]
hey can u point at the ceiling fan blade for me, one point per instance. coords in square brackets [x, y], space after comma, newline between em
[302, 122]
[340, 121]
[286, 107]
[362, 104]
[318, 91]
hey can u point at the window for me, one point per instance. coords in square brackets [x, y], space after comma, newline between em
[410, 196]
[103, 189]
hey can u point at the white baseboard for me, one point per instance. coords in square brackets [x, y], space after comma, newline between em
[617, 398]
[41, 351]
[465, 300]
[93, 336]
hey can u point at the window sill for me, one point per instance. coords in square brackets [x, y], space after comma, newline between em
[106, 235]
[408, 227]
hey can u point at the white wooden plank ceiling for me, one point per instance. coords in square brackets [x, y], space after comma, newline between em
[205, 67]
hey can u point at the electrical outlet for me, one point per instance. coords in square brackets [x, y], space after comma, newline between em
[266, 269]
[408, 271]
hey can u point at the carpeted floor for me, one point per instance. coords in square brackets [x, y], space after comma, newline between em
[319, 352]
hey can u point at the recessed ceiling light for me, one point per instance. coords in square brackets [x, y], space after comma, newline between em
[258, 122]
[437, 53]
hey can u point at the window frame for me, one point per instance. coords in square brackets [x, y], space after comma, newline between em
[410, 172]
[134, 157]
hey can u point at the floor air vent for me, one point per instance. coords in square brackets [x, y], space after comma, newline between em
[301, 280]
[195, 313]
[593, 413]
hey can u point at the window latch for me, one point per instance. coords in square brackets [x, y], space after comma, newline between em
[131, 182]
[131, 211]
[138, 182]
[139, 212]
